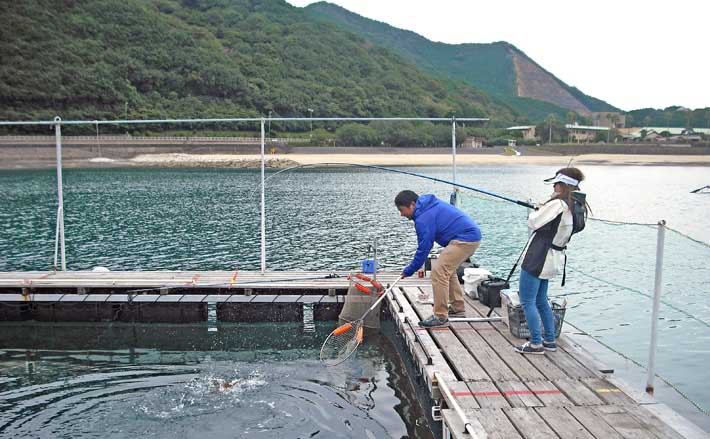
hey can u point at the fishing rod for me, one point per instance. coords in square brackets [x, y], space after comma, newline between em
[414, 174]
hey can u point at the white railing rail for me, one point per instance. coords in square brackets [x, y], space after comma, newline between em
[123, 138]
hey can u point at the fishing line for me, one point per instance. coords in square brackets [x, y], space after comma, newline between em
[399, 171]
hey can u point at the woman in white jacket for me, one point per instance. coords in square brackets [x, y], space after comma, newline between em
[553, 225]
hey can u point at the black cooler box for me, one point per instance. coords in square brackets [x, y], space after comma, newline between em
[489, 291]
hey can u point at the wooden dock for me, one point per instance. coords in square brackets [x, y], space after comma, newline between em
[503, 394]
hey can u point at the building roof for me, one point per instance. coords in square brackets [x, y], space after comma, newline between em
[570, 126]
[521, 127]
[676, 130]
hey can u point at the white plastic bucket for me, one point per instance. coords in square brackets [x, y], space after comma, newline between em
[472, 277]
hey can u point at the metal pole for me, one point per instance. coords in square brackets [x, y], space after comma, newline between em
[453, 148]
[60, 193]
[468, 425]
[454, 195]
[263, 210]
[656, 305]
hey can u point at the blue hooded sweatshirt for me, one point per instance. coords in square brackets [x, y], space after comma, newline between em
[438, 221]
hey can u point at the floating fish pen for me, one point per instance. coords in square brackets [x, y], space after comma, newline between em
[469, 380]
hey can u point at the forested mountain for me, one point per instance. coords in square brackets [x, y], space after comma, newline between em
[218, 58]
[675, 116]
[500, 69]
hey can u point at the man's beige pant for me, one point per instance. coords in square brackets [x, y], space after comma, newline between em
[444, 281]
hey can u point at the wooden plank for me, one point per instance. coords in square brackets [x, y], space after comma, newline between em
[625, 425]
[518, 394]
[456, 428]
[563, 423]
[550, 370]
[499, 339]
[495, 423]
[577, 392]
[569, 345]
[463, 395]
[128, 279]
[415, 348]
[594, 423]
[515, 361]
[652, 423]
[571, 367]
[492, 364]
[459, 358]
[427, 343]
[487, 395]
[549, 394]
[529, 423]
[608, 392]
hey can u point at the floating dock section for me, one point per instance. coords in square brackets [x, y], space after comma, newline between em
[478, 386]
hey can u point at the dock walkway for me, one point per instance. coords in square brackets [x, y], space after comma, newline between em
[503, 394]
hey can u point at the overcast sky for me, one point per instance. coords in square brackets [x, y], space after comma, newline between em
[628, 53]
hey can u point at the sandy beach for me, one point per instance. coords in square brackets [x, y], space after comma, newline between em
[285, 160]
[84, 157]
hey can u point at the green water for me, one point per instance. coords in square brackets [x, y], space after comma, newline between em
[133, 219]
[181, 381]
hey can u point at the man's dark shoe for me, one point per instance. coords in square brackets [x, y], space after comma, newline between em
[434, 322]
[528, 349]
[549, 346]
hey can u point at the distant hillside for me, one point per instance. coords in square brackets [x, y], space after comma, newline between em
[498, 68]
[239, 58]
[675, 116]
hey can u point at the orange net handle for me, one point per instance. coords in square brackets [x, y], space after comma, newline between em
[342, 329]
[362, 288]
[369, 279]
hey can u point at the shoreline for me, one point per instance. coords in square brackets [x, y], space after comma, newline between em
[280, 161]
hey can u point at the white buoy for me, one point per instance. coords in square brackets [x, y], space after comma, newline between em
[100, 269]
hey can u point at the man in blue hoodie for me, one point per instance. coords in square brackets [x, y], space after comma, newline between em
[440, 222]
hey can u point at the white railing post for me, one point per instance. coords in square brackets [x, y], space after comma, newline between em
[263, 210]
[656, 305]
[453, 148]
[60, 195]
[454, 194]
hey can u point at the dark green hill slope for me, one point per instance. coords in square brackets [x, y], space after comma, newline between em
[498, 68]
[220, 58]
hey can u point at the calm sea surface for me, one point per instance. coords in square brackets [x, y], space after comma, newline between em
[324, 219]
[181, 381]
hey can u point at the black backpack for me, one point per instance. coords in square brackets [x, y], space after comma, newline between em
[579, 212]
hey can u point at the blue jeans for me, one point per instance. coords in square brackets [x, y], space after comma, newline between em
[533, 298]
